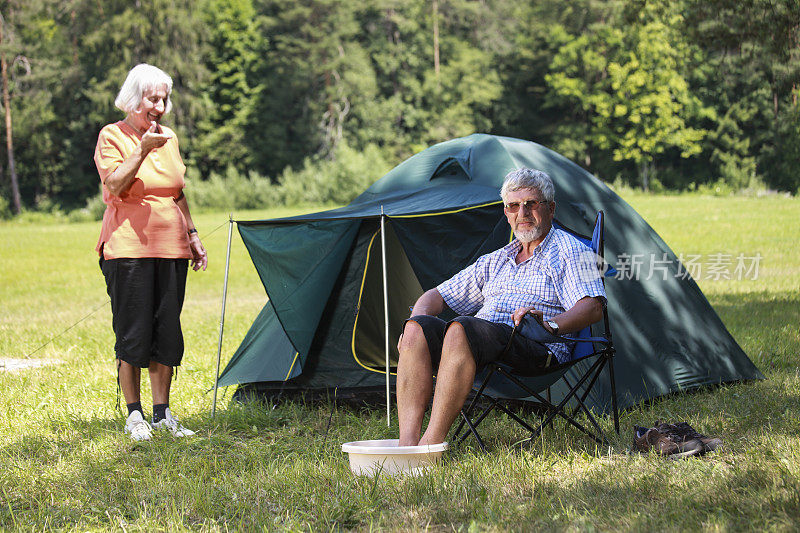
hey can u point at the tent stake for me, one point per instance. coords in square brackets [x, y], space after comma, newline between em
[386, 321]
[222, 313]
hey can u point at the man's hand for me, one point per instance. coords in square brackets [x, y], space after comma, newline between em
[430, 303]
[522, 311]
[586, 311]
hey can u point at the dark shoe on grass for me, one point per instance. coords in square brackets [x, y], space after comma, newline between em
[646, 439]
[684, 433]
[709, 443]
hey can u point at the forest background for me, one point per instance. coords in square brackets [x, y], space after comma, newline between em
[309, 101]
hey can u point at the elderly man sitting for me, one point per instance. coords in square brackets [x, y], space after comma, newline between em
[538, 273]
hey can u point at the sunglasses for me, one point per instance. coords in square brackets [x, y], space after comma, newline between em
[530, 205]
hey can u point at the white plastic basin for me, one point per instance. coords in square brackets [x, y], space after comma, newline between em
[368, 457]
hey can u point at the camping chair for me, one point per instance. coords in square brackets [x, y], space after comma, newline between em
[499, 382]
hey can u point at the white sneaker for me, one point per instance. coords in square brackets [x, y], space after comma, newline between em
[171, 423]
[138, 427]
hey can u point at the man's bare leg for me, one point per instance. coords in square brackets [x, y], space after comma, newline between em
[160, 380]
[414, 383]
[453, 383]
[129, 381]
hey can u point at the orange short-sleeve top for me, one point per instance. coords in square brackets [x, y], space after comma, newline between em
[144, 221]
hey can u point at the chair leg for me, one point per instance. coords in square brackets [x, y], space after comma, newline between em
[600, 440]
[558, 411]
[578, 391]
[608, 359]
[460, 426]
[553, 412]
[582, 398]
[473, 431]
[473, 425]
[495, 404]
[592, 419]
[613, 392]
[513, 415]
[591, 384]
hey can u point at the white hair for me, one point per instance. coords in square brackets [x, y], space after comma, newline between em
[527, 178]
[141, 78]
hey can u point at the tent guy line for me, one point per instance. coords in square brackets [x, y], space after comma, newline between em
[96, 309]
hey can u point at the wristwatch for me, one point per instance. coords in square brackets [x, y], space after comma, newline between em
[553, 326]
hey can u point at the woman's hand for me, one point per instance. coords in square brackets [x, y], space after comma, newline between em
[199, 256]
[152, 140]
[121, 179]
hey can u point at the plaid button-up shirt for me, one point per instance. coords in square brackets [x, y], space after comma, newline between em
[560, 272]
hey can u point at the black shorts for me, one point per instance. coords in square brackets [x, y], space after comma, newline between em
[146, 302]
[487, 341]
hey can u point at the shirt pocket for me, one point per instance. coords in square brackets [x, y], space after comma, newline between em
[537, 284]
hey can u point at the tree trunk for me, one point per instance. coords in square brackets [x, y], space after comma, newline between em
[644, 172]
[9, 139]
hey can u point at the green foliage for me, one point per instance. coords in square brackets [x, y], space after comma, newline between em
[731, 150]
[750, 72]
[333, 181]
[301, 99]
[5, 209]
[93, 211]
[683, 91]
[629, 82]
[781, 154]
[318, 181]
[458, 98]
[228, 95]
[231, 191]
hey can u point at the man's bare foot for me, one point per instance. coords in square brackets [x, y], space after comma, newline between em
[407, 441]
[428, 441]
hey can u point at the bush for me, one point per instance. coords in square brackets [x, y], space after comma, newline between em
[337, 180]
[231, 191]
[718, 188]
[46, 204]
[92, 212]
[5, 209]
[319, 181]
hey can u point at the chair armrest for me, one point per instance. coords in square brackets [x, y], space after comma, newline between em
[602, 340]
[530, 328]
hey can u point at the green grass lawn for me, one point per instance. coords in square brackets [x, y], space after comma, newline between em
[65, 463]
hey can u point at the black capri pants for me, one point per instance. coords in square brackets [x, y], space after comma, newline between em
[146, 301]
[487, 341]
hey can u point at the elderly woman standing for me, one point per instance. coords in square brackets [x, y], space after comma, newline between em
[145, 245]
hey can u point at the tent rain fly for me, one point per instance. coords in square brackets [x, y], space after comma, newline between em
[324, 327]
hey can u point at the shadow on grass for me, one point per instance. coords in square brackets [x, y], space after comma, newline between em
[653, 495]
[766, 326]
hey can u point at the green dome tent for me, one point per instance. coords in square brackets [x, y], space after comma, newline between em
[323, 326]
